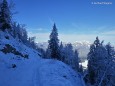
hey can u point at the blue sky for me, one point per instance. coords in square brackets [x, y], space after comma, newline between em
[76, 20]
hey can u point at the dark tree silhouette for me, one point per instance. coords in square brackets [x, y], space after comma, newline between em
[54, 44]
[5, 16]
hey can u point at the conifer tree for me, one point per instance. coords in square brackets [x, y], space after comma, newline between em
[54, 44]
[108, 78]
[5, 16]
[69, 54]
[91, 60]
[61, 48]
[81, 69]
[76, 60]
[97, 42]
[97, 60]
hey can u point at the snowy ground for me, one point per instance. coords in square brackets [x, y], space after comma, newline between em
[55, 73]
[39, 73]
[33, 71]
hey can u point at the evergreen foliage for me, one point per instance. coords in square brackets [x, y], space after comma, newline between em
[101, 61]
[5, 16]
[54, 44]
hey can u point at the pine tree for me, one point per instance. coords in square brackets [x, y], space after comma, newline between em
[5, 16]
[54, 44]
[61, 48]
[90, 58]
[106, 75]
[96, 61]
[108, 78]
[97, 42]
[81, 69]
[76, 60]
[69, 54]
[48, 53]
[14, 26]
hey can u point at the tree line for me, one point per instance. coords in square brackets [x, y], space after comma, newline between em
[17, 30]
[101, 64]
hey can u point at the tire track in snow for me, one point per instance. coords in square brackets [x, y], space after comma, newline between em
[37, 78]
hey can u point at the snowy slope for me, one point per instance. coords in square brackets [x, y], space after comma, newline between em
[30, 69]
[14, 52]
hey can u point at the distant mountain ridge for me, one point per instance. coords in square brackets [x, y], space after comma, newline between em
[81, 46]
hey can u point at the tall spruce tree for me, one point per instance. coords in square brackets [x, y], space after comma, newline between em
[5, 16]
[54, 44]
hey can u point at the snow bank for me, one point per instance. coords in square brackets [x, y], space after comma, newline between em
[13, 54]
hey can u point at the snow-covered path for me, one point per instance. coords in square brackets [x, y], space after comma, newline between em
[36, 77]
[55, 73]
[39, 73]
